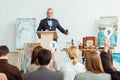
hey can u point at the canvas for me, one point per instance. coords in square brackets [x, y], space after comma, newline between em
[108, 27]
[25, 31]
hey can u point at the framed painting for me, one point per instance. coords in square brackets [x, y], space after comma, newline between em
[108, 28]
[25, 31]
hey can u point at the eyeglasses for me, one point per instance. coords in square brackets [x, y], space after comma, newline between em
[49, 13]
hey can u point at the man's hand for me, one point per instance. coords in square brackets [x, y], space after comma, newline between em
[66, 32]
[46, 29]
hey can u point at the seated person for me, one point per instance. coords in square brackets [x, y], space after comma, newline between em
[107, 62]
[11, 71]
[3, 76]
[34, 61]
[73, 67]
[94, 68]
[43, 73]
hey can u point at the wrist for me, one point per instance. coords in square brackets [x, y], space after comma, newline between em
[106, 49]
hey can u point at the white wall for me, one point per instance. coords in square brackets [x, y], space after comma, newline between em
[79, 16]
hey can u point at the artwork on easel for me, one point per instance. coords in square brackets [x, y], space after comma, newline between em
[108, 27]
[25, 31]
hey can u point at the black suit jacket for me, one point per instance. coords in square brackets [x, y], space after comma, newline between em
[11, 71]
[106, 58]
[44, 25]
[43, 74]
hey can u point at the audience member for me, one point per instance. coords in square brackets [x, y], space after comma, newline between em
[34, 60]
[94, 68]
[107, 62]
[11, 71]
[43, 73]
[35, 64]
[3, 76]
[73, 67]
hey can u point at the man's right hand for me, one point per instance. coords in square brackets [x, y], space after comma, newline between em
[46, 29]
[66, 32]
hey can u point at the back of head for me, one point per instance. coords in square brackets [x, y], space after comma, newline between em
[44, 57]
[93, 62]
[3, 50]
[3, 76]
[35, 54]
[73, 54]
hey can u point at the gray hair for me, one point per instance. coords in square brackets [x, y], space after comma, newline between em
[49, 9]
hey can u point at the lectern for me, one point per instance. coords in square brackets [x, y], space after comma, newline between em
[46, 37]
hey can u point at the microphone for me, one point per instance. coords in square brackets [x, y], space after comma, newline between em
[49, 27]
[72, 42]
[50, 24]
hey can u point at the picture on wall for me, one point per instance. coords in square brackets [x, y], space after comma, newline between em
[25, 31]
[108, 27]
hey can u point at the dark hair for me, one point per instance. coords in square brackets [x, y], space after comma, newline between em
[3, 50]
[110, 61]
[44, 57]
[49, 9]
[35, 54]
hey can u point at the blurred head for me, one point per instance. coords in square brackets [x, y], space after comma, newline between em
[3, 76]
[73, 53]
[49, 13]
[3, 50]
[34, 57]
[93, 62]
[44, 57]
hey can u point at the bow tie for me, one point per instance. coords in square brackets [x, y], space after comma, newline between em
[49, 19]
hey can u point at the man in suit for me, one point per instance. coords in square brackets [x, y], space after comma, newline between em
[50, 23]
[11, 71]
[44, 73]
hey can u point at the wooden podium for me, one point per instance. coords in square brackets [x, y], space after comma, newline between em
[46, 38]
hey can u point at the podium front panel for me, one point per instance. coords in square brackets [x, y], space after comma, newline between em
[46, 39]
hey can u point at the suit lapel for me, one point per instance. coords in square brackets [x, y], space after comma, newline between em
[53, 22]
[46, 22]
